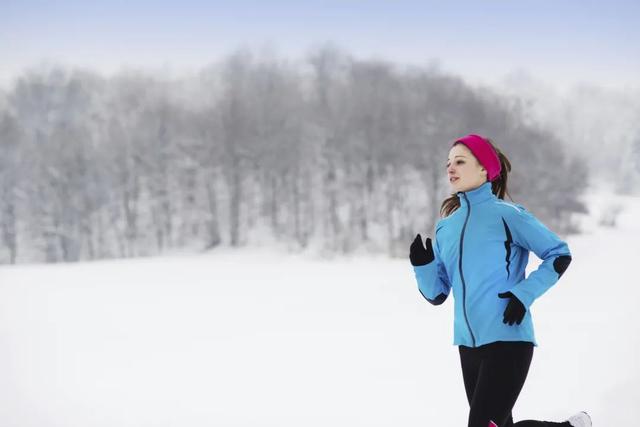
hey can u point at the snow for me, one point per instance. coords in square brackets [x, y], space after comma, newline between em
[261, 338]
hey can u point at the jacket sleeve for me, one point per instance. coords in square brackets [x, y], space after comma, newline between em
[432, 279]
[529, 233]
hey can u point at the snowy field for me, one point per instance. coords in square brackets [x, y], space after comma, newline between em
[255, 338]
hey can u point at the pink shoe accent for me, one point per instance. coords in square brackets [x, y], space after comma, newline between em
[492, 424]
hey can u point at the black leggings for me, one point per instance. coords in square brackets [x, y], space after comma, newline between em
[493, 377]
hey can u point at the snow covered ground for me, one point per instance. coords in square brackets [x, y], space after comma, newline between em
[258, 338]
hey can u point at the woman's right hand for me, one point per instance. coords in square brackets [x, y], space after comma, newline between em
[418, 254]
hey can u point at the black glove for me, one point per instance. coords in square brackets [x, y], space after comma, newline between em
[515, 311]
[418, 254]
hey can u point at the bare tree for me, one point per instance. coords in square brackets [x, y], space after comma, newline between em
[339, 153]
[10, 173]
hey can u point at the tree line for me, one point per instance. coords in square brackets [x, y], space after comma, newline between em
[330, 153]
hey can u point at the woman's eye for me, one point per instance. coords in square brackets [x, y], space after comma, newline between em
[458, 162]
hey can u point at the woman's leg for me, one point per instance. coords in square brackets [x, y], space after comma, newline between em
[501, 376]
[493, 377]
[470, 360]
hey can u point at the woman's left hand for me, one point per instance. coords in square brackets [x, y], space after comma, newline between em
[515, 311]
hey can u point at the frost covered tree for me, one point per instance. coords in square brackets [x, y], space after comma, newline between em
[331, 153]
[10, 182]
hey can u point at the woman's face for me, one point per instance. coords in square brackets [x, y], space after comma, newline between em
[463, 169]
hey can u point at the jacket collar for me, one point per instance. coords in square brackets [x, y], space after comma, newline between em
[477, 195]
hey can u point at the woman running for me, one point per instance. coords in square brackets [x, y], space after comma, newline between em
[481, 250]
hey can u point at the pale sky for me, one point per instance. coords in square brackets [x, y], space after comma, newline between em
[560, 42]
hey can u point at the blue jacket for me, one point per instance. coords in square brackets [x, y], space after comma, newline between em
[481, 250]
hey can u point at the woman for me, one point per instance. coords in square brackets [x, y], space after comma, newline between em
[481, 249]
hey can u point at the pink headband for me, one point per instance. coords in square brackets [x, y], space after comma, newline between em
[485, 154]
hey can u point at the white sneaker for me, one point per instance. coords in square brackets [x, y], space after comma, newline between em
[581, 419]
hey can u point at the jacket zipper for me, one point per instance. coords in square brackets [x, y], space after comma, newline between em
[464, 287]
